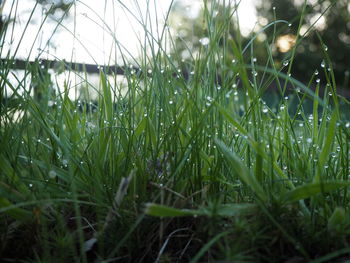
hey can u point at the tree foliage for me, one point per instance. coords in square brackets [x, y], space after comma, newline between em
[324, 21]
[325, 27]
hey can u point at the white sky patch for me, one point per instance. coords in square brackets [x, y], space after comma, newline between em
[92, 34]
[98, 31]
[247, 16]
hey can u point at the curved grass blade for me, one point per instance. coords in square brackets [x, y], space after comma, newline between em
[241, 170]
[207, 246]
[308, 190]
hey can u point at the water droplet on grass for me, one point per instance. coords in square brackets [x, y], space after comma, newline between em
[52, 174]
[204, 41]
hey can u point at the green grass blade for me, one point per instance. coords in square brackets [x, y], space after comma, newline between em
[308, 190]
[241, 170]
[207, 246]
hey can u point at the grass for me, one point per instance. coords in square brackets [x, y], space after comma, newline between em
[176, 167]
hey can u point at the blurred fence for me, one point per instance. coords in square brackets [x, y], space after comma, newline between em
[18, 64]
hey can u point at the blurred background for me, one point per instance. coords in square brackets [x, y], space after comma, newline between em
[113, 32]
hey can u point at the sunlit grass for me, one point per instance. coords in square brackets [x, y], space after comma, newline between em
[197, 165]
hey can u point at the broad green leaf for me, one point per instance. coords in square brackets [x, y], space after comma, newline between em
[231, 210]
[311, 189]
[166, 211]
[225, 210]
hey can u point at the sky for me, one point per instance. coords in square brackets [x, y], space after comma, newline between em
[98, 27]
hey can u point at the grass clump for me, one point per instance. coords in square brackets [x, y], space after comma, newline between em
[189, 162]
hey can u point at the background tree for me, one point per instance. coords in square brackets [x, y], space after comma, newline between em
[328, 19]
[331, 20]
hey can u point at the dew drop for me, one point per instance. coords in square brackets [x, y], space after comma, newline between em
[52, 174]
[204, 41]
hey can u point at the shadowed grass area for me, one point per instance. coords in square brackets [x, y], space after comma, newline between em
[176, 169]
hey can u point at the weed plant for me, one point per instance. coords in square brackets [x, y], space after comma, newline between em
[180, 165]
